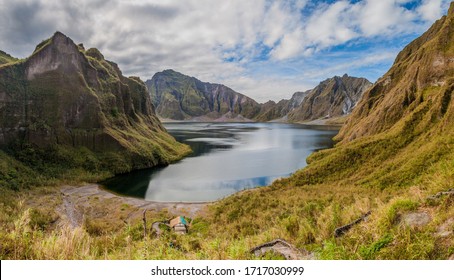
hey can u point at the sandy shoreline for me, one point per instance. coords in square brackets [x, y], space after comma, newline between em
[83, 196]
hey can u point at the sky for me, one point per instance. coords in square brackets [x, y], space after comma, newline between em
[262, 48]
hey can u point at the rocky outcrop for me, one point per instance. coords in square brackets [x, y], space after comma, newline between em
[64, 95]
[283, 248]
[180, 97]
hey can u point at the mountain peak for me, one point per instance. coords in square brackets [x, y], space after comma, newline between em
[451, 10]
[59, 51]
[59, 34]
[178, 96]
[60, 39]
[329, 98]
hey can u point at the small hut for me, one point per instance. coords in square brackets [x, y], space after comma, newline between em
[179, 225]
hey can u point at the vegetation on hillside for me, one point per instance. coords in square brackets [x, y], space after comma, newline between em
[6, 58]
[83, 119]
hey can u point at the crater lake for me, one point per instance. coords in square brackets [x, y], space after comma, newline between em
[226, 158]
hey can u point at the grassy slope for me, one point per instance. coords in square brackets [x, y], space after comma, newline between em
[396, 150]
[6, 58]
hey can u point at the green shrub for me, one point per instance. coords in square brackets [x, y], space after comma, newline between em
[369, 252]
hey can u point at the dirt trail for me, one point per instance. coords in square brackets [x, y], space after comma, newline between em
[75, 217]
[78, 201]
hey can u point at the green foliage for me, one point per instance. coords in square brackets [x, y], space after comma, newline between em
[396, 208]
[6, 58]
[332, 251]
[114, 112]
[291, 225]
[369, 252]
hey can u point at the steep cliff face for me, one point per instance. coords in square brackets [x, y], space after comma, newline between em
[403, 128]
[64, 95]
[333, 97]
[417, 88]
[180, 97]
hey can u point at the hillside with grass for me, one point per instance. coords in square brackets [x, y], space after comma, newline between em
[6, 58]
[395, 158]
[66, 110]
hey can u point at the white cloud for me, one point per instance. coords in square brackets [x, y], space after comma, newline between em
[431, 10]
[258, 47]
[334, 24]
[384, 17]
[331, 25]
[291, 45]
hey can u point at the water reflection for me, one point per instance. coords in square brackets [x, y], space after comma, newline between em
[226, 158]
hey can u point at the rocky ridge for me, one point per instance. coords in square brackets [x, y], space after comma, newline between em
[66, 96]
[416, 90]
[180, 97]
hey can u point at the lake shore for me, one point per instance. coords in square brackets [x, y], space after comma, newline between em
[78, 200]
[226, 158]
[336, 122]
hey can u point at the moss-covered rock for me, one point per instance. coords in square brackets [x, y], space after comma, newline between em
[63, 96]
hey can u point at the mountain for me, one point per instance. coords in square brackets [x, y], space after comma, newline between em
[65, 100]
[180, 97]
[333, 97]
[403, 128]
[6, 58]
[414, 96]
[278, 111]
[394, 161]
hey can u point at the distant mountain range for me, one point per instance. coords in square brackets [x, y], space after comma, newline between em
[180, 97]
